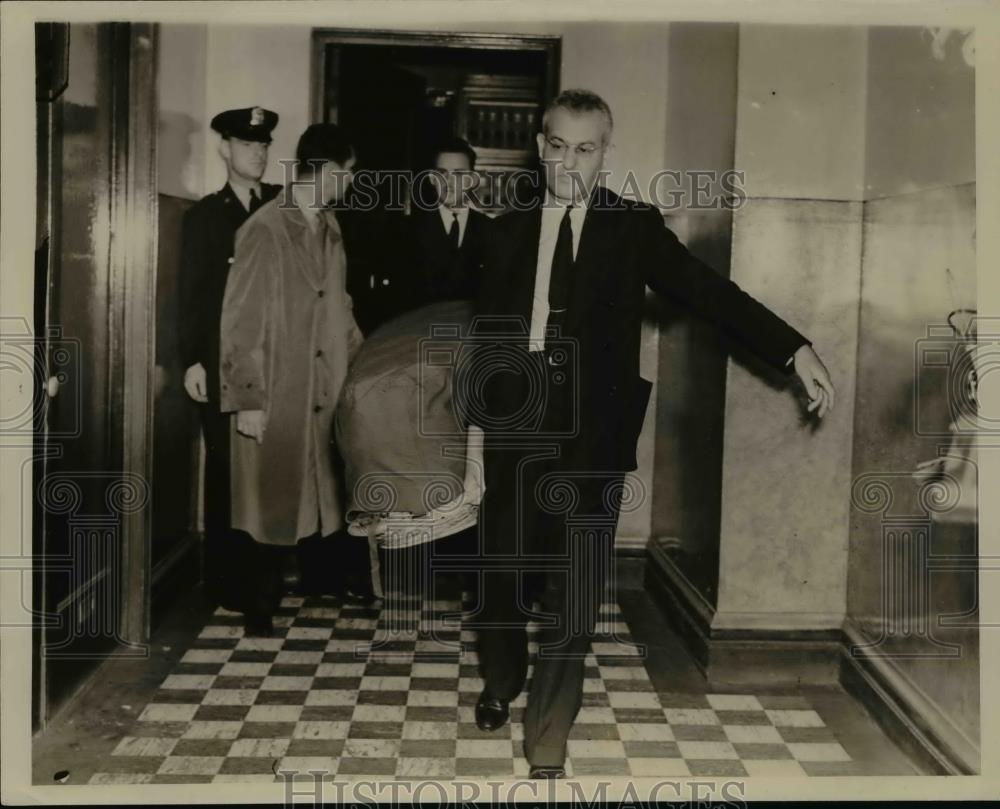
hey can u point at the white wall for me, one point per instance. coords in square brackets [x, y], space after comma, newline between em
[267, 66]
[627, 66]
[205, 69]
[921, 112]
[182, 86]
[801, 132]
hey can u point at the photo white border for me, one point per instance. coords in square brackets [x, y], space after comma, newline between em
[17, 210]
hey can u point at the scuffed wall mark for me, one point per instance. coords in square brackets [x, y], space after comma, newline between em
[939, 38]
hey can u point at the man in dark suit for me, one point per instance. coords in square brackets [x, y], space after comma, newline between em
[554, 386]
[400, 263]
[447, 238]
[209, 232]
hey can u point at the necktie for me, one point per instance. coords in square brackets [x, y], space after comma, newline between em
[562, 275]
[255, 202]
[453, 234]
[322, 228]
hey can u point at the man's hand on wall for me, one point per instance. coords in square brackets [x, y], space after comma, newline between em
[196, 382]
[251, 424]
[816, 378]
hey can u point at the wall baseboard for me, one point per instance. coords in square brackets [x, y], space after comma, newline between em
[905, 713]
[794, 657]
[631, 544]
[741, 657]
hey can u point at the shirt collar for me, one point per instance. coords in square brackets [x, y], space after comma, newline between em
[447, 214]
[242, 193]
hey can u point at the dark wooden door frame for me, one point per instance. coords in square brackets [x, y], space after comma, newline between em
[133, 283]
[322, 69]
[128, 243]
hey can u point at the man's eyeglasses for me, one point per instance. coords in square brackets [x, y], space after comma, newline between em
[560, 146]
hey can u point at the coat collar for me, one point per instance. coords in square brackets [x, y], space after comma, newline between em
[596, 256]
[231, 203]
[312, 261]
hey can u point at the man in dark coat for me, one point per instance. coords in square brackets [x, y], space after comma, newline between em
[209, 233]
[400, 263]
[447, 238]
[554, 385]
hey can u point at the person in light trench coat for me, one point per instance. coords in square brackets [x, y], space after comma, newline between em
[288, 334]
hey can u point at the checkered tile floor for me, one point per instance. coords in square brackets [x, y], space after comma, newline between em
[387, 693]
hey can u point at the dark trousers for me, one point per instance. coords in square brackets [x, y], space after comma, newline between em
[246, 576]
[334, 564]
[326, 565]
[227, 555]
[543, 525]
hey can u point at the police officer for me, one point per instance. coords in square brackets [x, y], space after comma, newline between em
[209, 232]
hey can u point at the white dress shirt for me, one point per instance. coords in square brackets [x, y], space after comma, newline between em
[552, 214]
[448, 216]
[243, 193]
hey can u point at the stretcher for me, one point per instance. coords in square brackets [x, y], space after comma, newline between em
[412, 471]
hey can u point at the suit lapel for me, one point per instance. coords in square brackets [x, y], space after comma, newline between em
[473, 230]
[234, 210]
[595, 257]
[438, 243]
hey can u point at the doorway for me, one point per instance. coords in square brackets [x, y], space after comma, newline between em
[398, 94]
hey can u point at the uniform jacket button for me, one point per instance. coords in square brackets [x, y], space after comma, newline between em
[321, 293]
[316, 409]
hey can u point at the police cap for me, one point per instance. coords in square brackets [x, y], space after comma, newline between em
[250, 123]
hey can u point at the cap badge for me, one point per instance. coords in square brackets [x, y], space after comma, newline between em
[256, 116]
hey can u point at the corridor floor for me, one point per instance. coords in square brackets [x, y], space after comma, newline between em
[389, 692]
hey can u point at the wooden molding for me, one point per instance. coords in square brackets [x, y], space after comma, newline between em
[908, 716]
[133, 274]
[322, 70]
[768, 655]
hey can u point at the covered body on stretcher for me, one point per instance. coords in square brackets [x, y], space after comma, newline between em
[412, 471]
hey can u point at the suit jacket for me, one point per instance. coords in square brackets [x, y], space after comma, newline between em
[207, 240]
[400, 263]
[624, 247]
[376, 268]
[442, 275]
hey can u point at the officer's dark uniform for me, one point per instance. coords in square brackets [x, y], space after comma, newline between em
[209, 233]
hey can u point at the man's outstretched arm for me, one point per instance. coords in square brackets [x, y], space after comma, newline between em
[672, 270]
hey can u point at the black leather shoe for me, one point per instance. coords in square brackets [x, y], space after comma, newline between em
[491, 713]
[291, 576]
[547, 772]
[363, 597]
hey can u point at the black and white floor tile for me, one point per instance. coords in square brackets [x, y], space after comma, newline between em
[389, 692]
